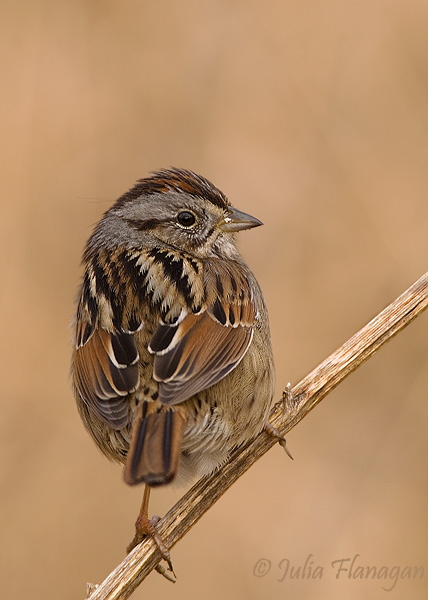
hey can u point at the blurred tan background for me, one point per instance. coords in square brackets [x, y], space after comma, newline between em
[313, 116]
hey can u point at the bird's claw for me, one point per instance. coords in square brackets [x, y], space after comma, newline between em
[273, 431]
[145, 527]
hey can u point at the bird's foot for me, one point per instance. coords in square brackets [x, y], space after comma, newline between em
[273, 431]
[145, 527]
[286, 402]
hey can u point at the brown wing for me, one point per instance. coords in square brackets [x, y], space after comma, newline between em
[196, 354]
[104, 372]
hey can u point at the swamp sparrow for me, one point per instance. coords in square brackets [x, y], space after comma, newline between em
[172, 365]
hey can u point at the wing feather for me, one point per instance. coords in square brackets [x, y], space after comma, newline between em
[105, 371]
[199, 357]
[202, 348]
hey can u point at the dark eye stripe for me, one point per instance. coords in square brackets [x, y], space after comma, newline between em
[144, 225]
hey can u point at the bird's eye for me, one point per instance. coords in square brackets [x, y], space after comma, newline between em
[186, 218]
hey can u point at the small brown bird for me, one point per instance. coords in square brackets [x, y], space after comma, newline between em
[172, 365]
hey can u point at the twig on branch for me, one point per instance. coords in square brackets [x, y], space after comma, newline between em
[189, 509]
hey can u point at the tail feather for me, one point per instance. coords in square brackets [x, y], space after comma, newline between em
[155, 448]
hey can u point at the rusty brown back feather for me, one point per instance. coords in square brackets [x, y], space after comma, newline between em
[105, 371]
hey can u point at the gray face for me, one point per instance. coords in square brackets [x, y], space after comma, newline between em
[172, 218]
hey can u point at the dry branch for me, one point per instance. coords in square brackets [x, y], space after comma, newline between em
[189, 509]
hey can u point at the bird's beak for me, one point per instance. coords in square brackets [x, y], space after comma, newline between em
[235, 220]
